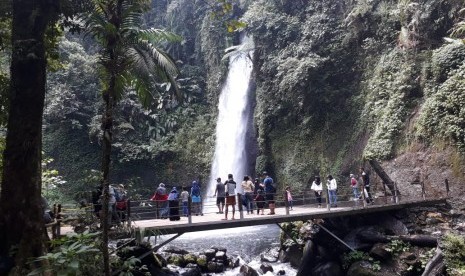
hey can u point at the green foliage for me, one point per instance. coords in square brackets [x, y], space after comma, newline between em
[454, 253]
[52, 183]
[397, 246]
[355, 256]
[72, 255]
[443, 113]
[388, 90]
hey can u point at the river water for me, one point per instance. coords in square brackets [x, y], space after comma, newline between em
[247, 243]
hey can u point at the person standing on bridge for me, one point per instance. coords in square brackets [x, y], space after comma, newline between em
[317, 187]
[161, 200]
[230, 186]
[196, 198]
[248, 189]
[354, 185]
[366, 184]
[332, 188]
[220, 195]
[270, 191]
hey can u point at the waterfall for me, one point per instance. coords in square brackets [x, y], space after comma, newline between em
[234, 114]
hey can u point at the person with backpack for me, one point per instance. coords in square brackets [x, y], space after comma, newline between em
[317, 188]
[196, 198]
[354, 185]
[270, 192]
[260, 201]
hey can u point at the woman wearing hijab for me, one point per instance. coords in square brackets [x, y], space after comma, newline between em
[173, 204]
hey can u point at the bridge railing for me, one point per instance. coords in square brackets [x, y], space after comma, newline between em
[305, 198]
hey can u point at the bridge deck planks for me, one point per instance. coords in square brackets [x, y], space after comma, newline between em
[300, 213]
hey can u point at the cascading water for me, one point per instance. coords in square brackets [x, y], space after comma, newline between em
[233, 118]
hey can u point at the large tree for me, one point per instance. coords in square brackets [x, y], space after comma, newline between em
[130, 58]
[21, 223]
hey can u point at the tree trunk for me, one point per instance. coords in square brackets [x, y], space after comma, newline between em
[107, 126]
[21, 223]
[384, 176]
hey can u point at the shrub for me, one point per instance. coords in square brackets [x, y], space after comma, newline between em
[454, 254]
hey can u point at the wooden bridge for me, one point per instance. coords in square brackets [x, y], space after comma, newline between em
[306, 209]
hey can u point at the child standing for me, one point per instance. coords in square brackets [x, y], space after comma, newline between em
[289, 197]
[260, 201]
[185, 201]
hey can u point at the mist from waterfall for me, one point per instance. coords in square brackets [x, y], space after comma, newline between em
[234, 113]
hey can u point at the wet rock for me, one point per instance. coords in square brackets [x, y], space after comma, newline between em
[362, 268]
[323, 252]
[380, 253]
[393, 226]
[308, 259]
[176, 259]
[270, 256]
[221, 256]
[233, 262]
[215, 267]
[246, 270]
[408, 257]
[190, 258]
[192, 270]
[210, 253]
[160, 260]
[281, 272]
[265, 267]
[353, 240]
[327, 269]
[202, 262]
[175, 250]
[294, 255]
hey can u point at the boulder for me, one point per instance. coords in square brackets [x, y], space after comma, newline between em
[308, 259]
[192, 270]
[265, 267]
[190, 258]
[202, 262]
[177, 260]
[221, 256]
[327, 269]
[294, 255]
[361, 268]
[210, 253]
[234, 262]
[215, 267]
[379, 252]
[246, 270]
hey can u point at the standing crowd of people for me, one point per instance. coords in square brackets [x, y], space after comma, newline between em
[256, 196]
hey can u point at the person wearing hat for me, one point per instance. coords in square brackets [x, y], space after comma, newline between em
[354, 185]
[220, 195]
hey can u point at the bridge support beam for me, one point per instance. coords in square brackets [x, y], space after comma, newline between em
[336, 237]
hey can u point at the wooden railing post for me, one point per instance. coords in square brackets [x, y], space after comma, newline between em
[385, 193]
[396, 198]
[59, 217]
[327, 199]
[364, 201]
[286, 202]
[189, 210]
[157, 209]
[241, 209]
[128, 210]
[446, 181]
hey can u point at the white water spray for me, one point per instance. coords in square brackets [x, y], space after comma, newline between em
[234, 112]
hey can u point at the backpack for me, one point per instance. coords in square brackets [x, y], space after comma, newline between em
[196, 191]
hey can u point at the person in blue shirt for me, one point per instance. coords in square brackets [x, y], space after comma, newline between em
[270, 192]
